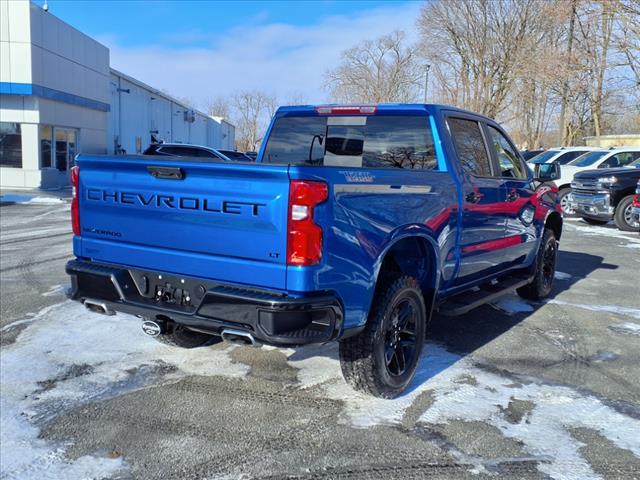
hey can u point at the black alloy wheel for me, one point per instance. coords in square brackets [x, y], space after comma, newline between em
[400, 337]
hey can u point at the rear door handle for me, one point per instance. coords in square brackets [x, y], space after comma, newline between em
[512, 196]
[166, 173]
[473, 197]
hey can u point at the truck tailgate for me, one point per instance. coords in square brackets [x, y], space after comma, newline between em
[221, 221]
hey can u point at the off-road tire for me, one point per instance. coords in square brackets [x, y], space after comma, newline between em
[595, 221]
[623, 215]
[362, 357]
[545, 268]
[185, 338]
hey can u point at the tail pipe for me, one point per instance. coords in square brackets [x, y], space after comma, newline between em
[97, 306]
[238, 336]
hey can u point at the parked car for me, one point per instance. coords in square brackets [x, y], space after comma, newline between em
[252, 155]
[529, 154]
[561, 155]
[356, 225]
[612, 158]
[236, 156]
[599, 196]
[184, 150]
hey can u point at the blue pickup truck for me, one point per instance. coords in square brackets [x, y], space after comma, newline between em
[355, 224]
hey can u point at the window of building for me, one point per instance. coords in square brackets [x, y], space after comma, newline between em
[10, 145]
[510, 164]
[46, 140]
[470, 147]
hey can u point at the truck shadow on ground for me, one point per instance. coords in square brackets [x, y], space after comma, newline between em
[466, 333]
[449, 339]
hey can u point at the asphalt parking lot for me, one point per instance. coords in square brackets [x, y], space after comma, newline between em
[516, 389]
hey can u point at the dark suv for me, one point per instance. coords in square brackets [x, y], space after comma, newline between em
[184, 150]
[599, 196]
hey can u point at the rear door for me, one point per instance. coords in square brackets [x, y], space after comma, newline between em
[219, 221]
[483, 215]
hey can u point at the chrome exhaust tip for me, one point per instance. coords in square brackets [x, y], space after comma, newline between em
[239, 337]
[97, 306]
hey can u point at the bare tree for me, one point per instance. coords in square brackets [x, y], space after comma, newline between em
[382, 70]
[253, 110]
[477, 46]
[219, 106]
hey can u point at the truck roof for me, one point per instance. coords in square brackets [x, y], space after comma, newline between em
[401, 108]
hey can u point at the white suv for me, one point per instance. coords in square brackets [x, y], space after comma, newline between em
[561, 155]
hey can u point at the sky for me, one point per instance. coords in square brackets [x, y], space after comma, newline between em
[200, 49]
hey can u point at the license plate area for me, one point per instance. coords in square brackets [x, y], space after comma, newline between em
[171, 291]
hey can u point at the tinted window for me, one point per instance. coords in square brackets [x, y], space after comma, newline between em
[184, 152]
[588, 159]
[569, 156]
[201, 152]
[544, 156]
[374, 142]
[623, 158]
[510, 164]
[238, 156]
[470, 147]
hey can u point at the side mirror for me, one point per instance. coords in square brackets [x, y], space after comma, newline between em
[547, 172]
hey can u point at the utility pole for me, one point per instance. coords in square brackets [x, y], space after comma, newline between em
[565, 87]
[426, 80]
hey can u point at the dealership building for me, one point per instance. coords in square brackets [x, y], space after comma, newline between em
[60, 97]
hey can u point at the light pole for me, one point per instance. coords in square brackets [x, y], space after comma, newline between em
[426, 80]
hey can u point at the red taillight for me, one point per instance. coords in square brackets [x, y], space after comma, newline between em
[304, 239]
[636, 200]
[347, 110]
[75, 207]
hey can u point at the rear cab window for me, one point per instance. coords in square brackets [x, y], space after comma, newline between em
[367, 141]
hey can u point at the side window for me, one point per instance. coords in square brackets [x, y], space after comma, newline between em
[569, 156]
[201, 152]
[611, 162]
[470, 147]
[510, 164]
[169, 151]
[625, 158]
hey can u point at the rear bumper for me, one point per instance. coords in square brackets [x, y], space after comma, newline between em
[270, 317]
[597, 205]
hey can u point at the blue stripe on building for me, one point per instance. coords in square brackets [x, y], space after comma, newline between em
[10, 88]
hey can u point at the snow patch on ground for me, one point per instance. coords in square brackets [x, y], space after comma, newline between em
[74, 357]
[562, 275]
[627, 327]
[594, 230]
[68, 356]
[633, 245]
[511, 304]
[625, 311]
[544, 432]
[47, 200]
[54, 290]
[40, 200]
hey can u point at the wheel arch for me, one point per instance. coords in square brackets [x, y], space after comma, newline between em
[554, 222]
[415, 255]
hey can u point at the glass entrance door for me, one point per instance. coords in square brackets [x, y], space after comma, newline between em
[65, 148]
